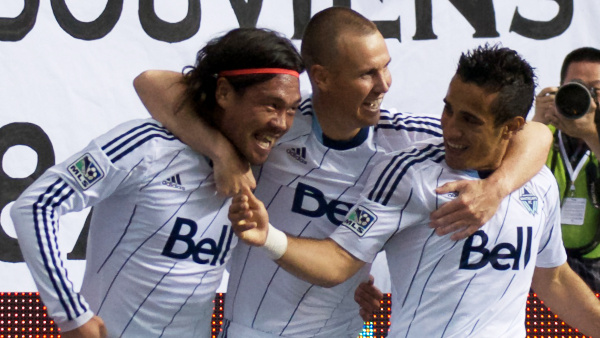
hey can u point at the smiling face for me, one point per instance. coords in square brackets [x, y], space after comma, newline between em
[355, 83]
[471, 139]
[256, 118]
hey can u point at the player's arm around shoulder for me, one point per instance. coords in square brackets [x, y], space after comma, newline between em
[478, 200]
[162, 93]
[321, 262]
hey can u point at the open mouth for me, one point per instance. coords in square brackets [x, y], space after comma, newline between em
[373, 104]
[265, 141]
[455, 146]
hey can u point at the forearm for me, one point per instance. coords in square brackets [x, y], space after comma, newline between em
[525, 157]
[161, 92]
[320, 262]
[593, 142]
[39, 245]
[568, 297]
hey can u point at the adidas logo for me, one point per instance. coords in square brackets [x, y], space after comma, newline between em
[174, 182]
[298, 153]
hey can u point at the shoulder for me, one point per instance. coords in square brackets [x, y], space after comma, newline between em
[135, 136]
[303, 121]
[542, 187]
[396, 171]
[392, 119]
[545, 180]
[422, 152]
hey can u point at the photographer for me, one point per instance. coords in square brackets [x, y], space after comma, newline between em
[573, 158]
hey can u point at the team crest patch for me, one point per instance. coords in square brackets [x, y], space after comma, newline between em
[529, 200]
[360, 220]
[86, 171]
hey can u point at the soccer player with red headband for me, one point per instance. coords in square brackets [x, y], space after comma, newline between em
[159, 237]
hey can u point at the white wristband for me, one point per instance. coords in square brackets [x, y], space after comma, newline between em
[276, 243]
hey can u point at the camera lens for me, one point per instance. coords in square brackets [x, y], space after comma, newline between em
[573, 99]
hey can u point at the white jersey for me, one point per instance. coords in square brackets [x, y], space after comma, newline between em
[308, 185]
[158, 239]
[476, 287]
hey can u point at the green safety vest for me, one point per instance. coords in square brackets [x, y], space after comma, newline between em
[581, 240]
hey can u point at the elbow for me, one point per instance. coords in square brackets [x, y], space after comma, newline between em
[18, 212]
[141, 80]
[329, 282]
[333, 277]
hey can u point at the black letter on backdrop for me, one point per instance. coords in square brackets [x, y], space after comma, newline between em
[301, 17]
[479, 14]
[33, 136]
[93, 30]
[541, 30]
[423, 10]
[15, 29]
[246, 13]
[389, 29]
[162, 30]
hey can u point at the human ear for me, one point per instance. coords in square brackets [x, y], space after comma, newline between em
[513, 126]
[319, 76]
[223, 92]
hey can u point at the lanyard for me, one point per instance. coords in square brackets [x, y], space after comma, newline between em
[572, 173]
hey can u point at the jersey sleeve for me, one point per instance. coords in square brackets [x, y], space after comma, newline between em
[388, 204]
[551, 252]
[110, 163]
[401, 130]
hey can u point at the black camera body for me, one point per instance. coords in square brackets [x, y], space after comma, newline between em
[573, 99]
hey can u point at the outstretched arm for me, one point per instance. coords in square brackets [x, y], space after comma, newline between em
[321, 262]
[161, 93]
[569, 297]
[478, 200]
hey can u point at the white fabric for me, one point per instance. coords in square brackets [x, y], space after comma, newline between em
[307, 189]
[476, 287]
[276, 243]
[157, 242]
[81, 88]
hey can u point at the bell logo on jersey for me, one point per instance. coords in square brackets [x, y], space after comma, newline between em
[201, 251]
[86, 171]
[475, 257]
[310, 201]
[360, 220]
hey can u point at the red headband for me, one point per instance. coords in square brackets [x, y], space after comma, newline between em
[259, 71]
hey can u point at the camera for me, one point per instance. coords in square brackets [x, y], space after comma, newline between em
[573, 99]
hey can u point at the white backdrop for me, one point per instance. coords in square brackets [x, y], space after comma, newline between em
[67, 66]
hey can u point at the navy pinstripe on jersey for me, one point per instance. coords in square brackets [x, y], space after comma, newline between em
[158, 238]
[485, 279]
[309, 198]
